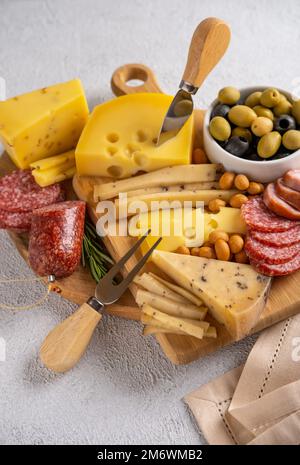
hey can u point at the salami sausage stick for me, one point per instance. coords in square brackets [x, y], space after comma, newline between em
[56, 238]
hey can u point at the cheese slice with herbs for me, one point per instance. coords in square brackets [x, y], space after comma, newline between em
[234, 293]
[43, 123]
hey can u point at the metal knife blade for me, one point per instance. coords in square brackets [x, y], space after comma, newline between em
[178, 113]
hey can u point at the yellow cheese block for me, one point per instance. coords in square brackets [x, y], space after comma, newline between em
[118, 140]
[227, 219]
[43, 123]
[234, 293]
[170, 244]
[172, 228]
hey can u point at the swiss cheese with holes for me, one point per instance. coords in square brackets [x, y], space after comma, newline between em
[119, 138]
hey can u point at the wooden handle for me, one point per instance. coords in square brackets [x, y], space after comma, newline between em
[130, 72]
[209, 43]
[67, 342]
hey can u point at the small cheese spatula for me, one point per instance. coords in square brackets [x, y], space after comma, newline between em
[67, 342]
[209, 43]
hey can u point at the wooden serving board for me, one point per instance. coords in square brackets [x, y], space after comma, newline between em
[284, 299]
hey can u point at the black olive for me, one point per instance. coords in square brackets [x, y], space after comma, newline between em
[253, 157]
[282, 153]
[284, 123]
[237, 146]
[220, 110]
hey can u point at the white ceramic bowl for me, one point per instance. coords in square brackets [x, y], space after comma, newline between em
[263, 171]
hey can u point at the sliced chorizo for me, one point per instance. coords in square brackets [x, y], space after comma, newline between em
[288, 194]
[292, 179]
[279, 206]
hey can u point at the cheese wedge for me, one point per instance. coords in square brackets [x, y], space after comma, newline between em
[119, 138]
[187, 326]
[170, 176]
[234, 293]
[43, 123]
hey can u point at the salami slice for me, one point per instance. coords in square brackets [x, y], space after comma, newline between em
[277, 270]
[268, 254]
[55, 239]
[258, 217]
[13, 220]
[20, 193]
[277, 239]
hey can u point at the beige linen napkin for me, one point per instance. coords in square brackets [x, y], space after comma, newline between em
[260, 402]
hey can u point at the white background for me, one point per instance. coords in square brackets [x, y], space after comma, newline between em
[124, 391]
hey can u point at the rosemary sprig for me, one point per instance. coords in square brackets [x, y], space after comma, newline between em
[93, 253]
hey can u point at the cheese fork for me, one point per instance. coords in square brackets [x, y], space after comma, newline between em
[67, 342]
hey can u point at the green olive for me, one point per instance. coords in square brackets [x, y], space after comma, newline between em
[242, 116]
[219, 128]
[263, 111]
[229, 95]
[270, 97]
[242, 132]
[269, 144]
[296, 111]
[253, 99]
[261, 126]
[291, 139]
[284, 107]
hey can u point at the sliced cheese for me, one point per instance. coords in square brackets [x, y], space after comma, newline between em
[234, 293]
[172, 322]
[119, 138]
[43, 123]
[151, 284]
[177, 188]
[53, 162]
[132, 205]
[180, 290]
[170, 176]
[169, 306]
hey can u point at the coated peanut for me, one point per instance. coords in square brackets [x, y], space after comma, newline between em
[226, 180]
[207, 252]
[241, 257]
[241, 182]
[222, 250]
[199, 156]
[254, 188]
[183, 250]
[215, 235]
[237, 200]
[195, 251]
[236, 243]
[215, 205]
